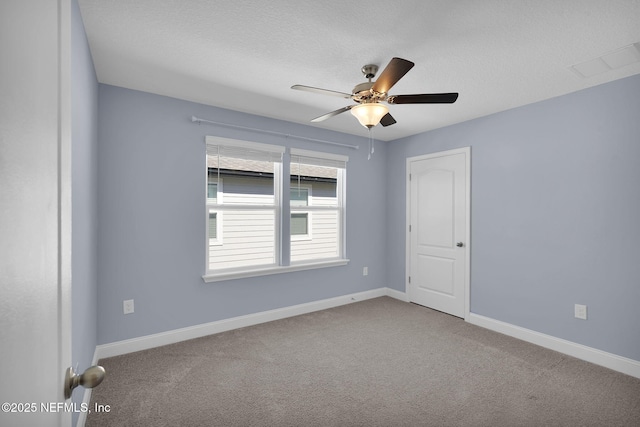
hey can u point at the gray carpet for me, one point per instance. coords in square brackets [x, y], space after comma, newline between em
[379, 362]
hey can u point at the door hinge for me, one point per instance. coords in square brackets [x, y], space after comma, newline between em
[409, 177]
[409, 228]
[409, 279]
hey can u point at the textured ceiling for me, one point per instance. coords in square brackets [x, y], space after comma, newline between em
[245, 55]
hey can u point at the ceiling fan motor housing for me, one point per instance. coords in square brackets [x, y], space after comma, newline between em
[362, 93]
[369, 71]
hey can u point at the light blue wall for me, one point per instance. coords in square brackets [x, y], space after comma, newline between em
[555, 214]
[84, 140]
[151, 188]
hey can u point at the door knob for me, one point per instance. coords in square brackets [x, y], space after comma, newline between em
[89, 379]
[459, 244]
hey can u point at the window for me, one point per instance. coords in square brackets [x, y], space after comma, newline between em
[213, 225]
[252, 239]
[214, 193]
[249, 202]
[299, 224]
[317, 190]
[299, 196]
[212, 188]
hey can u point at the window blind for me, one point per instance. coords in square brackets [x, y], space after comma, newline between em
[237, 149]
[318, 159]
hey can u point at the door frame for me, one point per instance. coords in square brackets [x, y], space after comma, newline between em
[467, 267]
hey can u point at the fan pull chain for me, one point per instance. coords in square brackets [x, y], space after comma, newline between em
[371, 148]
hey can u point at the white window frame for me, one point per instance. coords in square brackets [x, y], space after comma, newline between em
[281, 235]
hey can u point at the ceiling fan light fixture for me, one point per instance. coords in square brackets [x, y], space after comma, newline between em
[369, 114]
[368, 95]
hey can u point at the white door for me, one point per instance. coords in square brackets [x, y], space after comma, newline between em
[438, 240]
[35, 212]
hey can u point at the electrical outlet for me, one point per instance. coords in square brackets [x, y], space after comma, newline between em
[580, 311]
[365, 271]
[127, 306]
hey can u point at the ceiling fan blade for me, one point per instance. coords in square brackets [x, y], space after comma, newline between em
[331, 114]
[387, 120]
[425, 98]
[322, 91]
[394, 71]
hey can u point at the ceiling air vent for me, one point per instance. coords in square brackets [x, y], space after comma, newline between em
[609, 61]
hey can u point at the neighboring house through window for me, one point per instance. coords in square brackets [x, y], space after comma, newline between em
[251, 236]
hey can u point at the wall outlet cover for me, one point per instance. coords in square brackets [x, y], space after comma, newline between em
[580, 311]
[127, 306]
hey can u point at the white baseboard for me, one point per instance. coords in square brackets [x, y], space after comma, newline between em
[183, 334]
[402, 296]
[589, 354]
[599, 357]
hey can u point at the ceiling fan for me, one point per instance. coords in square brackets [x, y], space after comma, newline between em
[369, 96]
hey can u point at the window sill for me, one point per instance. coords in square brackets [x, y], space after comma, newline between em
[230, 275]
